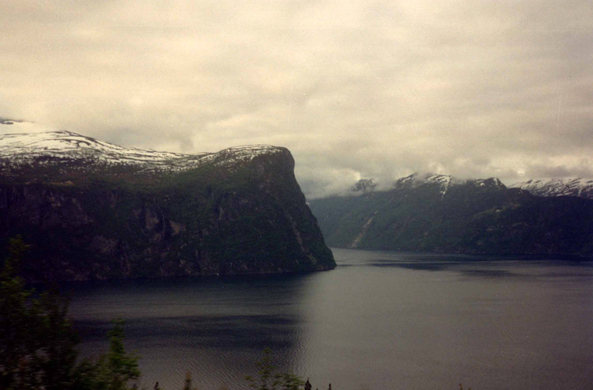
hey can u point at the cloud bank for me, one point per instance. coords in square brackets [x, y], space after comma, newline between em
[354, 89]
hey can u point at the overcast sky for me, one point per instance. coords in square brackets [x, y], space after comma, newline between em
[354, 88]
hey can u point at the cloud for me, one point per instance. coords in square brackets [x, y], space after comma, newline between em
[354, 89]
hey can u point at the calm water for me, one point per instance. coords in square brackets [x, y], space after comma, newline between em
[381, 320]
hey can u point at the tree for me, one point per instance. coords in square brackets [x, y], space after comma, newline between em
[270, 380]
[290, 382]
[188, 382]
[114, 370]
[38, 343]
[13, 317]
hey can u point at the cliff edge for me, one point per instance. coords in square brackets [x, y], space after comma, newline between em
[93, 210]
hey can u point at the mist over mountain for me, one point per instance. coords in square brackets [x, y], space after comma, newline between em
[438, 213]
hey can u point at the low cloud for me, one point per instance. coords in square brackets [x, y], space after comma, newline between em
[354, 89]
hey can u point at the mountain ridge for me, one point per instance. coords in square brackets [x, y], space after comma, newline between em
[438, 214]
[90, 213]
[58, 146]
[578, 187]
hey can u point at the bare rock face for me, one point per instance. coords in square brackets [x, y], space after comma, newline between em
[92, 210]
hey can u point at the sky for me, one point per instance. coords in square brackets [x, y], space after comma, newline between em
[354, 88]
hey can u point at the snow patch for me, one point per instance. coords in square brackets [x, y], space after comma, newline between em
[580, 187]
[24, 143]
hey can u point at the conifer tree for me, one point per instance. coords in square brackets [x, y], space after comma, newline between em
[37, 342]
[188, 382]
[117, 368]
[270, 380]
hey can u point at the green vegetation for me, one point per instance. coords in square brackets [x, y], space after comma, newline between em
[269, 379]
[38, 343]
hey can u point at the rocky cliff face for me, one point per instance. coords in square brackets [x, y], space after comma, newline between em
[89, 215]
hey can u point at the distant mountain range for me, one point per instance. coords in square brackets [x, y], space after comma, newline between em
[558, 187]
[438, 213]
[94, 210]
[551, 187]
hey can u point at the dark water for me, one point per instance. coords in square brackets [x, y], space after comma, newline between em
[381, 320]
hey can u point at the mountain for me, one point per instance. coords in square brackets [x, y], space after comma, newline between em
[437, 213]
[558, 187]
[93, 210]
[364, 186]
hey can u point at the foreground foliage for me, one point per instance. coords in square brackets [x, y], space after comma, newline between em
[269, 379]
[38, 343]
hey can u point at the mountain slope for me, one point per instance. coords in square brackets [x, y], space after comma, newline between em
[93, 210]
[438, 214]
[558, 187]
[24, 145]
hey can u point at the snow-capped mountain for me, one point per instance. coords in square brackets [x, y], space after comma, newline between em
[558, 187]
[94, 210]
[26, 144]
[364, 186]
[444, 182]
[415, 180]
[441, 214]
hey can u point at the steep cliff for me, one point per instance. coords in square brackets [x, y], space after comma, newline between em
[98, 211]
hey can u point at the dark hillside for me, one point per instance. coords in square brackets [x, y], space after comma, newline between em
[481, 216]
[239, 212]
